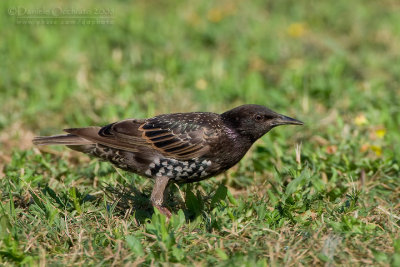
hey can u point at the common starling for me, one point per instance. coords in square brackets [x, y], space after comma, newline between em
[174, 148]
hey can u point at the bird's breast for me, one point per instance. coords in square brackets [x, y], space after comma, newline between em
[181, 171]
[229, 148]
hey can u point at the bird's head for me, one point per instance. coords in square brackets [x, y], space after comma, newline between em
[253, 121]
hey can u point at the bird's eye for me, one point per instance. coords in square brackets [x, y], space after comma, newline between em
[258, 117]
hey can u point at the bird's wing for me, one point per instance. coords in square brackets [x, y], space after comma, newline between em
[173, 136]
[178, 137]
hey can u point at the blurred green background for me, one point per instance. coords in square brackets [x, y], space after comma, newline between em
[303, 58]
[333, 64]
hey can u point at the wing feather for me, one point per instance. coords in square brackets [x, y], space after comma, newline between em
[178, 138]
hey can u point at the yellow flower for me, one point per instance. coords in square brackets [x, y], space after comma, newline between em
[201, 84]
[380, 133]
[296, 30]
[376, 149]
[215, 15]
[360, 120]
[218, 13]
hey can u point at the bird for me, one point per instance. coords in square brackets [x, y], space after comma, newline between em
[176, 147]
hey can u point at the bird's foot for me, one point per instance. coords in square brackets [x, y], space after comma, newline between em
[164, 210]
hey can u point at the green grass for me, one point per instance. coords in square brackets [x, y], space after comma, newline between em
[334, 65]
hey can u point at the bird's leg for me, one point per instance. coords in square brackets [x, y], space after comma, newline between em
[157, 195]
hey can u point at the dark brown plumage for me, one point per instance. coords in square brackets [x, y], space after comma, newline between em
[179, 147]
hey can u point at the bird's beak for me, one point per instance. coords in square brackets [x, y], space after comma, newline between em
[283, 120]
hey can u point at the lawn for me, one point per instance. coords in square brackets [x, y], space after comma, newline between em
[324, 194]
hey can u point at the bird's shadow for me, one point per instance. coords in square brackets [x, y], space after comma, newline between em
[127, 200]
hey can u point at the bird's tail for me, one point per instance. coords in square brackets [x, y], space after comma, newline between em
[62, 139]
